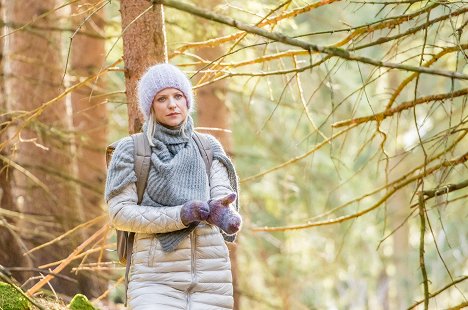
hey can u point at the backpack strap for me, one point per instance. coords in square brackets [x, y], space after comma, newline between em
[142, 162]
[204, 146]
[142, 165]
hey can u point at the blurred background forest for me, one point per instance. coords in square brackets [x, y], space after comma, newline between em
[347, 122]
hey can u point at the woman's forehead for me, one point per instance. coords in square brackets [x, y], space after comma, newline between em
[168, 91]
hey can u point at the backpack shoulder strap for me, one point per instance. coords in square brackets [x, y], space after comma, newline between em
[204, 146]
[142, 162]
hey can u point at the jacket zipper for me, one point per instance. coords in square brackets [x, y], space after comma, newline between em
[193, 266]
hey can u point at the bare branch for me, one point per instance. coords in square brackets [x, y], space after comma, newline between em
[270, 21]
[394, 189]
[279, 37]
[411, 30]
[404, 106]
[440, 291]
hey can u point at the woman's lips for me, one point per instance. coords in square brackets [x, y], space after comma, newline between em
[173, 114]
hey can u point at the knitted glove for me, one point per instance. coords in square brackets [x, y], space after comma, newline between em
[194, 211]
[223, 216]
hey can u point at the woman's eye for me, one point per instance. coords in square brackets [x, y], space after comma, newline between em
[161, 99]
[178, 96]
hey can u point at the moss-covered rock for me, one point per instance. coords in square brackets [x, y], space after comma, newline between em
[11, 299]
[81, 302]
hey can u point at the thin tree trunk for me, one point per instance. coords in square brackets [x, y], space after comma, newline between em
[398, 210]
[213, 112]
[34, 74]
[89, 122]
[144, 43]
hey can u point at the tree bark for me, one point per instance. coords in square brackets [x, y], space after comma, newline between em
[34, 74]
[10, 255]
[89, 122]
[144, 44]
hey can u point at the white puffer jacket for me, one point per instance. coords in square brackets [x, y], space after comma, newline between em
[195, 276]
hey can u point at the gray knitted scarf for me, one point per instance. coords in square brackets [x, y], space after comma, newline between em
[177, 174]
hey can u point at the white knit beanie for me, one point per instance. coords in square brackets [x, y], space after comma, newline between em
[159, 77]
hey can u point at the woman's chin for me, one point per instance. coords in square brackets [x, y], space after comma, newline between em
[173, 122]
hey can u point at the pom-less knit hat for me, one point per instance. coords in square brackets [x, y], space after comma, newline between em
[159, 77]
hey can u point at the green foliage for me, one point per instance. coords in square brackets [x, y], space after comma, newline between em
[81, 302]
[11, 299]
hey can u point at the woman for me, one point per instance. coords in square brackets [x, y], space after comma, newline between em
[179, 259]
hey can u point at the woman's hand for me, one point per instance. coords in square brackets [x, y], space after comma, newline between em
[194, 211]
[223, 216]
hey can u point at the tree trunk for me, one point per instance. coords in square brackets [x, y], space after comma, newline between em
[34, 74]
[10, 255]
[144, 44]
[213, 112]
[90, 127]
[398, 210]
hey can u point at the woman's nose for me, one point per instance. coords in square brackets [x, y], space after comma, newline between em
[171, 102]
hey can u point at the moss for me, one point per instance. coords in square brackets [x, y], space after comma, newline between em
[81, 302]
[11, 299]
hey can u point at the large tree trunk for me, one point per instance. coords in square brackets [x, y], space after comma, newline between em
[144, 43]
[10, 255]
[213, 112]
[34, 74]
[90, 125]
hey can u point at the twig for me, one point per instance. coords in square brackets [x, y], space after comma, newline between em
[298, 158]
[80, 248]
[104, 295]
[43, 15]
[463, 305]
[26, 173]
[26, 269]
[62, 236]
[38, 111]
[422, 217]
[442, 190]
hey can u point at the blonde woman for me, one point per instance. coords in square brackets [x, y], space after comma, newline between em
[180, 259]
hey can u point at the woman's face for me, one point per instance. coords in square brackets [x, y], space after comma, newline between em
[170, 107]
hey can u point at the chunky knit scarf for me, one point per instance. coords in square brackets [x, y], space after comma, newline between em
[177, 174]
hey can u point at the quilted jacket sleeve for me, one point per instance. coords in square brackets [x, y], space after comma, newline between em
[126, 215]
[219, 181]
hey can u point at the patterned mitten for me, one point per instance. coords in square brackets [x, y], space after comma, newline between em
[194, 211]
[223, 216]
